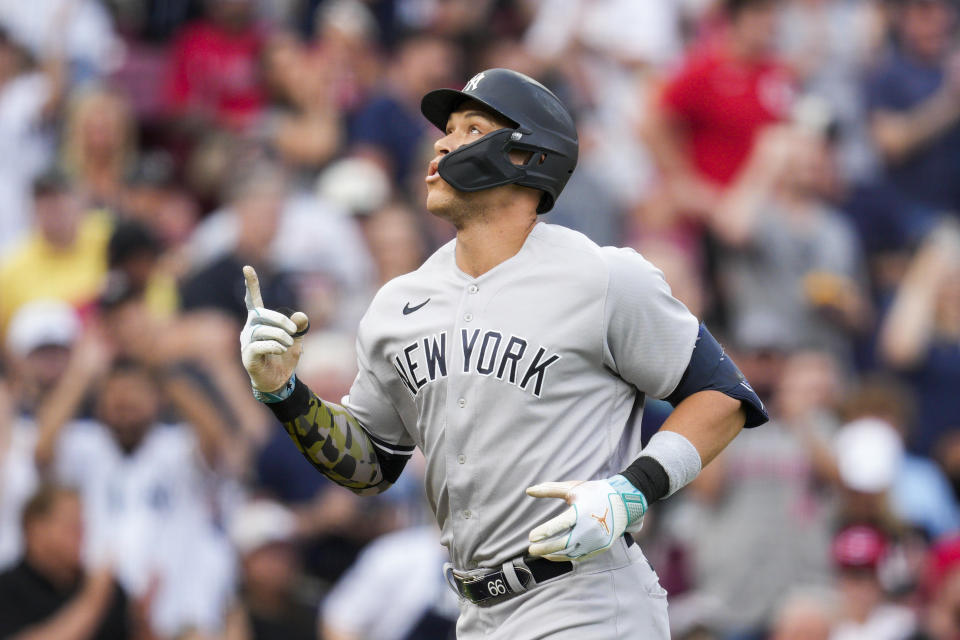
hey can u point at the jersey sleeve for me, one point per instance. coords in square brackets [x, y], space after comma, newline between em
[370, 403]
[648, 334]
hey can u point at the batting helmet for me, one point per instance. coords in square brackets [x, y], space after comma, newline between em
[541, 125]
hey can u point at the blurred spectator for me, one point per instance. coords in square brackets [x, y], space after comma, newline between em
[313, 248]
[18, 477]
[38, 343]
[78, 30]
[153, 196]
[920, 333]
[389, 129]
[766, 478]
[702, 128]
[134, 254]
[803, 616]
[146, 489]
[919, 493]
[864, 613]
[395, 244]
[256, 199]
[792, 268]
[65, 256]
[869, 458]
[48, 594]
[941, 621]
[99, 146]
[606, 50]
[28, 97]
[829, 44]
[214, 74]
[345, 44]
[914, 102]
[304, 125]
[272, 605]
[366, 605]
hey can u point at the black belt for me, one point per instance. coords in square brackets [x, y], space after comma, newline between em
[513, 578]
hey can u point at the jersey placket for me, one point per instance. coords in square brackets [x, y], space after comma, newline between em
[461, 409]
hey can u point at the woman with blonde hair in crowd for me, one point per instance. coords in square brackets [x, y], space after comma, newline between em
[99, 144]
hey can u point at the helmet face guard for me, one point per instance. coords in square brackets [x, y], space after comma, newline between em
[543, 129]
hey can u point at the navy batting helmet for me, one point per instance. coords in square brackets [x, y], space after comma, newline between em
[541, 126]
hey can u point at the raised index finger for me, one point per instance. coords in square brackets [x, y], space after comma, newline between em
[253, 298]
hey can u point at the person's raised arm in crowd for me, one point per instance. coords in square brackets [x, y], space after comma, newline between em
[911, 323]
[898, 134]
[90, 358]
[735, 216]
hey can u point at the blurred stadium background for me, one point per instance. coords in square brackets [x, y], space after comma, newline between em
[793, 166]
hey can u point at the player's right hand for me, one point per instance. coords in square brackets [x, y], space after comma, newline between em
[270, 343]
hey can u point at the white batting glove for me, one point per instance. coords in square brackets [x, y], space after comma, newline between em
[268, 348]
[600, 512]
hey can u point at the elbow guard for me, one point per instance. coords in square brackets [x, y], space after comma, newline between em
[711, 370]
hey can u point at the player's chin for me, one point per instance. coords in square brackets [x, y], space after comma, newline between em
[440, 198]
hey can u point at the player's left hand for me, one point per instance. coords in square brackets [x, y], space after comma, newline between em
[600, 511]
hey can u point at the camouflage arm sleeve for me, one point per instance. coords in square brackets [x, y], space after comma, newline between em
[332, 440]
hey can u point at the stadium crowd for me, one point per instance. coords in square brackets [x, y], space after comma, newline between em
[792, 166]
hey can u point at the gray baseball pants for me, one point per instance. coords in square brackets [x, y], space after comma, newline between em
[615, 595]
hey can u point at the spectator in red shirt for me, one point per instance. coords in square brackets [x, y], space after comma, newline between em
[215, 66]
[702, 128]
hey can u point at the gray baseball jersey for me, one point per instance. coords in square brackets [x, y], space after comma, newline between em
[537, 370]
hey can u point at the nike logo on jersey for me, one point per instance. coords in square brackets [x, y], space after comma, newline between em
[407, 309]
[508, 358]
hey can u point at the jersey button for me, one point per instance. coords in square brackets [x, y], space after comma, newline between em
[467, 514]
[462, 402]
[462, 459]
[473, 288]
[468, 317]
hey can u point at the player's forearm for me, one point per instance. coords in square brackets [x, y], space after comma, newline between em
[710, 420]
[332, 440]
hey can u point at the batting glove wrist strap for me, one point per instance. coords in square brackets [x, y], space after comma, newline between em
[633, 499]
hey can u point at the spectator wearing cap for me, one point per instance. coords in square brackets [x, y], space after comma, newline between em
[864, 613]
[873, 457]
[941, 618]
[49, 594]
[273, 603]
[38, 343]
[64, 258]
[703, 125]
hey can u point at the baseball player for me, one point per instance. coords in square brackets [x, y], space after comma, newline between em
[518, 358]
